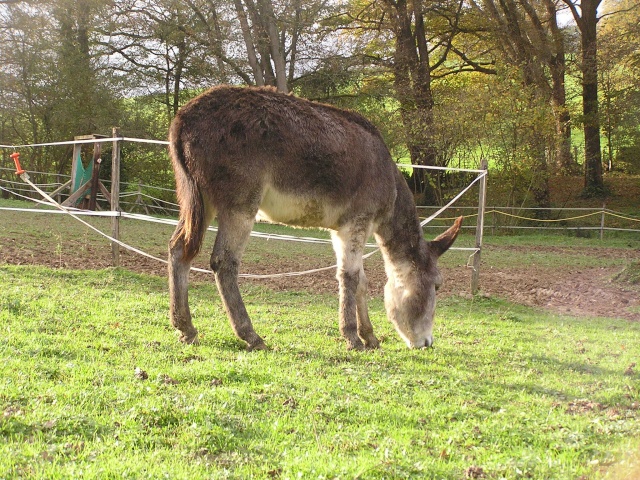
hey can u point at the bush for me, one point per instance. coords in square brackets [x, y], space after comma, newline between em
[628, 159]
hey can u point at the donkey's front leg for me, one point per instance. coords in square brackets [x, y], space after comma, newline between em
[348, 244]
[365, 329]
[233, 233]
[178, 290]
[348, 285]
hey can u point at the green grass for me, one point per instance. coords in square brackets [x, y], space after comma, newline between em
[630, 274]
[513, 391]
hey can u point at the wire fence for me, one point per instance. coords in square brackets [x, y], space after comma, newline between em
[578, 221]
[16, 190]
[153, 200]
[134, 197]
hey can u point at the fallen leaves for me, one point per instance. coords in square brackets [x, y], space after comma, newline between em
[474, 472]
[12, 412]
[167, 380]
[140, 374]
[583, 406]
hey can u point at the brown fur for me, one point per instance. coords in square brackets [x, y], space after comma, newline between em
[240, 151]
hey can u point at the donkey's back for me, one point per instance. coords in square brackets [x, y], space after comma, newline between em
[297, 162]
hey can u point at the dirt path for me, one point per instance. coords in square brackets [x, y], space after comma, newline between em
[570, 291]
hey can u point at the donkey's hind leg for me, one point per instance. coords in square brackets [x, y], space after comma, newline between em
[233, 233]
[178, 289]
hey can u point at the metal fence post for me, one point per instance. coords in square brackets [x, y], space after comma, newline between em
[115, 197]
[482, 199]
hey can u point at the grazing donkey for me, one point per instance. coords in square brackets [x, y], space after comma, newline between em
[242, 152]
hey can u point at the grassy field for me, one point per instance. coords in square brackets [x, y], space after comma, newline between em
[94, 384]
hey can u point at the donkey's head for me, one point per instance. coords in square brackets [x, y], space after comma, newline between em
[410, 294]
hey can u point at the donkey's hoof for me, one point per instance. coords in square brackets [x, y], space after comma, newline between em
[357, 345]
[257, 345]
[190, 338]
[372, 344]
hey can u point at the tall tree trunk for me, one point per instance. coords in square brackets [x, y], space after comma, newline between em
[593, 181]
[557, 65]
[262, 42]
[412, 80]
[76, 71]
[540, 180]
[249, 43]
[277, 52]
[587, 21]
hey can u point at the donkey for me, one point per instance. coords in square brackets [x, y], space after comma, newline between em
[239, 153]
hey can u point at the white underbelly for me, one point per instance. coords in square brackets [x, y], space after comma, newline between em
[299, 211]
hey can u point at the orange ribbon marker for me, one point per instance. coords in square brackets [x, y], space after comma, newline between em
[16, 158]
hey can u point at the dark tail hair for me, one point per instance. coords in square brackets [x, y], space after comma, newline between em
[191, 227]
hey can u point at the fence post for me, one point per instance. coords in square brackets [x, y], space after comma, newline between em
[95, 175]
[604, 208]
[482, 198]
[494, 221]
[115, 197]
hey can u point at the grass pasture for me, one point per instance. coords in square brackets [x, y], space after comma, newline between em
[508, 392]
[93, 383]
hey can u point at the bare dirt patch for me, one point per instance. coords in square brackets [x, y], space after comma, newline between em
[577, 291]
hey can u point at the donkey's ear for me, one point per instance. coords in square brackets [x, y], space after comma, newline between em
[443, 241]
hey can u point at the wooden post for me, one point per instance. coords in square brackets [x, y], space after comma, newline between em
[56, 194]
[115, 197]
[95, 175]
[482, 198]
[139, 200]
[494, 221]
[604, 207]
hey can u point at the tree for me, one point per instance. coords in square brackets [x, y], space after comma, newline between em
[150, 43]
[282, 39]
[417, 42]
[585, 13]
[189, 44]
[52, 86]
[263, 41]
[619, 77]
[530, 38]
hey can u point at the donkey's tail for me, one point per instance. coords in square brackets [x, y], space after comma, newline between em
[191, 227]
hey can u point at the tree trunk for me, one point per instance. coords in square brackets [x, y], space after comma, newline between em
[565, 162]
[412, 80]
[249, 43]
[587, 21]
[593, 182]
[540, 179]
[262, 42]
[277, 53]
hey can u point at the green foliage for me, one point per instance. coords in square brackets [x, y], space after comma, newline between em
[514, 136]
[80, 67]
[628, 157]
[619, 77]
